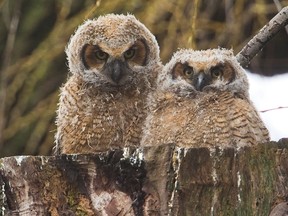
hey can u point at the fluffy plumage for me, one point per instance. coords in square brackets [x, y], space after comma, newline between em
[202, 100]
[113, 62]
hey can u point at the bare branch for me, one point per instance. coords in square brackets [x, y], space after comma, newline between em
[277, 108]
[263, 37]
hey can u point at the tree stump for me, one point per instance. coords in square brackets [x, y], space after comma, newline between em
[160, 180]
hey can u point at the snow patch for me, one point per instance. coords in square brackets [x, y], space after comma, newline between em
[214, 173]
[3, 198]
[137, 157]
[269, 93]
[177, 159]
[239, 187]
[19, 159]
[126, 152]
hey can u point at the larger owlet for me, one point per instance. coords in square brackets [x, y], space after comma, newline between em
[202, 100]
[113, 62]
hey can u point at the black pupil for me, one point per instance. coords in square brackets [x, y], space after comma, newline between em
[216, 73]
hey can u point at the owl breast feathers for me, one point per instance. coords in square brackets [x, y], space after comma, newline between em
[113, 62]
[202, 100]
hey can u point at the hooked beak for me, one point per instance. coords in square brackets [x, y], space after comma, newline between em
[116, 70]
[200, 81]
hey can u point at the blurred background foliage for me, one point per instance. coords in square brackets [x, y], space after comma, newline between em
[34, 33]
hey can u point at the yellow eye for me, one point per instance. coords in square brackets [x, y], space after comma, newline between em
[129, 53]
[188, 71]
[216, 72]
[101, 55]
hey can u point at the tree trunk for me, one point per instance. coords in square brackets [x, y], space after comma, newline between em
[161, 180]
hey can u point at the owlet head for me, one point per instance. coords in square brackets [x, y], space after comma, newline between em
[208, 69]
[112, 49]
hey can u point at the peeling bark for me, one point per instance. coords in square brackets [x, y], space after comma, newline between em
[161, 180]
[106, 183]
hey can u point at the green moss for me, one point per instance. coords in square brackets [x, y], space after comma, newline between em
[81, 212]
[71, 199]
[260, 182]
[74, 205]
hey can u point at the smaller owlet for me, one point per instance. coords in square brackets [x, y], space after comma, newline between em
[113, 63]
[202, 100]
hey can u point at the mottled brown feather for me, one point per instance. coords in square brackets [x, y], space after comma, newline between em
[97, 112]
[219, 115]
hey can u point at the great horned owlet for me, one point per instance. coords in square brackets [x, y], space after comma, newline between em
[202, 100]
[113, 62]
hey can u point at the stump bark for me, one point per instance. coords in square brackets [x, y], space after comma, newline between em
[160, 180]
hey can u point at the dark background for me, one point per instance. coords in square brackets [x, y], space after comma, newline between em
[34, 33]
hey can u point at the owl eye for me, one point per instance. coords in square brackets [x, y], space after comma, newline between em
[216, 73]
[99, 54]
[129, 53]
[188, 71]
[93, 56]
